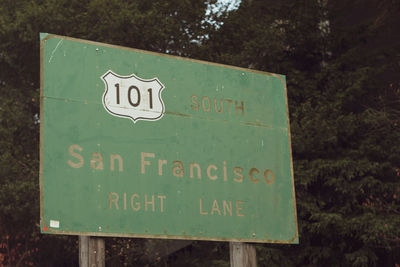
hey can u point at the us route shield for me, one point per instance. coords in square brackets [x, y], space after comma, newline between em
[133, 97]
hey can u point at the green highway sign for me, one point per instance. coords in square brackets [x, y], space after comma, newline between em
[141, 144]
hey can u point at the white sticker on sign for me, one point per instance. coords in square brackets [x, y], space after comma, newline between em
[54, 224]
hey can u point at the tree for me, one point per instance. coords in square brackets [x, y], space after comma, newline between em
[171, 27]
[344, 122]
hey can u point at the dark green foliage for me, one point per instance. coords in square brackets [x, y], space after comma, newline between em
[170, 27]
[344, 108]
[344, 103]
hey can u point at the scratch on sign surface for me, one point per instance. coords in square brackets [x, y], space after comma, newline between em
[52, 53]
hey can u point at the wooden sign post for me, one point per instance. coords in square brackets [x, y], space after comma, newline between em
[242, 254]
[91, 251]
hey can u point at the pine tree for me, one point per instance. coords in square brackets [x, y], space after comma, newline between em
[163, 26]
[344, 122]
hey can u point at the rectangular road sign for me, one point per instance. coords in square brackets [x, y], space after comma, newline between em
[140, 144]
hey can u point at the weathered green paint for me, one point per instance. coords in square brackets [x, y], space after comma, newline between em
[75, 197]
